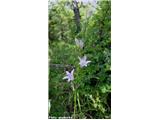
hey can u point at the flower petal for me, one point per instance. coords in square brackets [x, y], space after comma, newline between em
[84, 58]
[77, 41]
[72, 72]
[67, 73]
[79, 58]
[66, 77]
[88, 62]
[68, 80]
[81, 44]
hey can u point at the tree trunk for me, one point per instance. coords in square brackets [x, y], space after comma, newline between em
[76, 15]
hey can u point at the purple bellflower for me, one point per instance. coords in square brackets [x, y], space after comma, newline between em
[83, 61]
[69, 76]
[79, 43]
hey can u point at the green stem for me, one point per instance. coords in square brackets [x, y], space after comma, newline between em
[74, 103]
[74, 93]
[79, 105]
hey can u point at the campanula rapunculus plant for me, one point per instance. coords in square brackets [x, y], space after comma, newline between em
[85, 92]
[69, 76]
[83, 61]
[79, 43]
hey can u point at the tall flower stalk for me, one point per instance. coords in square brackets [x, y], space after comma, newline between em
[70, 77]
[75, 106]
[83, 62]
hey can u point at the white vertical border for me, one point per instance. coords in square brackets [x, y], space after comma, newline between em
[135, 59]
[24, 59]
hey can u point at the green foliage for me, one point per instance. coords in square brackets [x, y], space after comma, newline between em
[92, 95]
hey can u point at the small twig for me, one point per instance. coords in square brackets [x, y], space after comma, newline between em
[51, 65]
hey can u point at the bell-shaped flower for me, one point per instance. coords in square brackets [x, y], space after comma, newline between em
[69, 75]
[83, 61]
[79, 43]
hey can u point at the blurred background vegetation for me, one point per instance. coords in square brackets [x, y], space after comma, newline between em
[90, 21]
